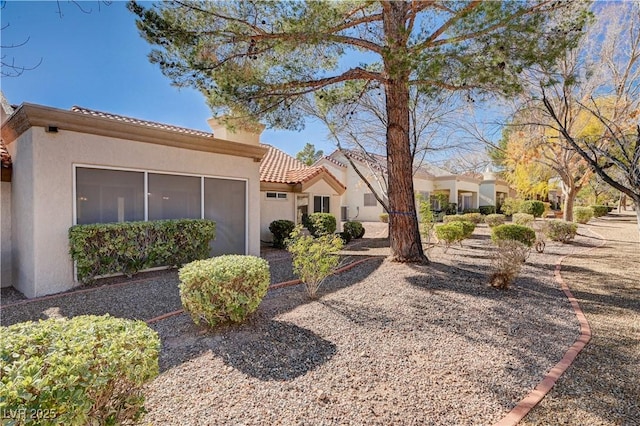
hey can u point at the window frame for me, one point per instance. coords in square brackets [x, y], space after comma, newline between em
[372, 196]
[277, 197]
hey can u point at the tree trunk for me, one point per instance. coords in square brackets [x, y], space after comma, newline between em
[404, 233]
[569, 198]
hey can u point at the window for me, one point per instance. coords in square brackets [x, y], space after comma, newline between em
[370, 200]
[225, 202]
[119, 196]
[277, 195]
[320, 204]
[104, 196]
[174, 197]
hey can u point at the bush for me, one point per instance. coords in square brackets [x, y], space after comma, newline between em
[494, 219]
[384, 217]
[344, 236]
[451, 208]
[320, 224]
[473, 217]
[523, 234]
[465, 211]
[507, 262]
[281, 230]
[599, 211]
[510, 206]
[560, 230]
[314, 259]
[524, 219]
[582, 214]
[110, 248]
[355, 229]
[487, 210]
[454, 218]
[225, 288]
[532, 207]
[78, 371]
[454, 232]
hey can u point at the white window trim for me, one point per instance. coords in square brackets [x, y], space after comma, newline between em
[146, 191]
[277, 197]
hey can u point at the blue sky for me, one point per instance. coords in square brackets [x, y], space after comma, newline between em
[98, 60]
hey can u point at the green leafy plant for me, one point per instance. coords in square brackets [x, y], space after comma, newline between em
[473, 217]
[560, 230]
[582, 214]
[487, 210]
[281, 229]
[451, 208]
[599, 211]
[470, 210]
[320, 224]
[110, 248]
[454, 218]
[507, 262]
[79, 371]
[510, 206]
[314, 259]
[223, 289]
[523, 234]
[532, 207]
[524, 219]
[384, 217]
[427, 219]
[494, 219]
[355, 229]
[454, 232]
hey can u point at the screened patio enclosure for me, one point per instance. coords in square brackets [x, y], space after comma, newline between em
[116, 195]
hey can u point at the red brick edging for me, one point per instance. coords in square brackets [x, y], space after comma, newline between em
[542, 389]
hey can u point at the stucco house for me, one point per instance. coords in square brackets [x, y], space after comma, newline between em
[66, 167]
[493, 190]
[290, 189]
[358, 201]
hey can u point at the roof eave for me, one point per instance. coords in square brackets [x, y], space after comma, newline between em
[31, 115]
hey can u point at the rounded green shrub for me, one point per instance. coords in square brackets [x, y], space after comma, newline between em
[582, 214]
[523, 234]
[384, 217]
[223, 289]
[560, 230]
[510, 206]
[78, 371]
[281, 229]
[473, 217]
[487, 210]
[345, 236]
[494, 219]
[450, 233]
[599, 211]
[524, 219]
[454, 218]
[320, 224]
[355, 229]
[533, 207]
[465, 211]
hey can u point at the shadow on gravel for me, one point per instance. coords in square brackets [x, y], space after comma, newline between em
[274, 350]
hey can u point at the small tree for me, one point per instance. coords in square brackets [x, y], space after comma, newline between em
[427, 219]
[314, 259]
[309, 155]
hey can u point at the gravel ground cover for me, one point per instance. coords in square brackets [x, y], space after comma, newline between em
[384, 344]
[602, 387]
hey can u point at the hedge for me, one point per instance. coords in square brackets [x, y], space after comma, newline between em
[78, 371]
[110, 248]
[487, 210]
[281, 229]
[223, 289]
[599, 211]
[582, 214]
[523, 234]
[320, 224]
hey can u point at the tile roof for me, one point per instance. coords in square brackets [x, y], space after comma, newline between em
[146, 123]
[279, 167]
[331, 160]
[5, 158]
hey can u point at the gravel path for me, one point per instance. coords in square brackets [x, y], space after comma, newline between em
[385, 344]
[602, 387]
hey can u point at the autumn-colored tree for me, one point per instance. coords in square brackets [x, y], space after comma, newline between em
[261, 59]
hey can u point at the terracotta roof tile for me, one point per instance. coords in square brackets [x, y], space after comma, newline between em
[131, 120]
[332, 160]
[279, 167]
[5, 158]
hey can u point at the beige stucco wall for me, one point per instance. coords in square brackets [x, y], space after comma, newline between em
[5, 234]
[275, 209]
[43, 195]
[322, 188]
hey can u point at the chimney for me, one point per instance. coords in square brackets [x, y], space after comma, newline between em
[241, 131]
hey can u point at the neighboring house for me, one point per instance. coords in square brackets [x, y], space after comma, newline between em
[494, 190]
[359, 203]
[78, 166]
[289, 189]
